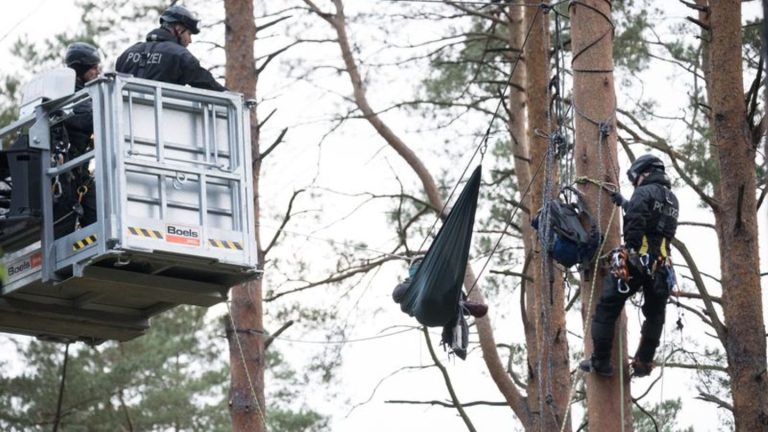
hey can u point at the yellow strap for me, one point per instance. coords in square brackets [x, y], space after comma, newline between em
[644, 247]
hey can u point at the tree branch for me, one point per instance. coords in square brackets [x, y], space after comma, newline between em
[286, 218]
[276, 334]
[454, 398]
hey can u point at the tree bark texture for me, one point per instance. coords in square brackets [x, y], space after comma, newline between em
[522, 163]
[549, 379]
[496, 367]
[521, 158]
[595, 157]
[246, 341]
[736, 221]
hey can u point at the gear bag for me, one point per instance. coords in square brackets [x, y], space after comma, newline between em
[560, 224]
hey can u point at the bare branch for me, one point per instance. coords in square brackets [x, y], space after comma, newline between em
[343, 275]
[276, 334]
[277, 142]
[511, 273]
[271, 23]
[714, 399]
[708, 302]
[449, 386]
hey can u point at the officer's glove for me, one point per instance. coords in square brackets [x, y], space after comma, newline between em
[618, 199]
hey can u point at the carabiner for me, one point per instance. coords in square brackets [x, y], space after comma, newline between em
[56, 188]
[619, 284]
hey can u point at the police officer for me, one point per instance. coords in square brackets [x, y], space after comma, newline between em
[650, 223]
[164, 55]
[85, 60]
[75, 204]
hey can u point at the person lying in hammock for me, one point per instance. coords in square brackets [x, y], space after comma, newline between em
[455, 334]
[477, 310]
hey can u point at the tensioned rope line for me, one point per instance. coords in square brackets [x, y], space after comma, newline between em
[577, 54]
[60, 400]
[588, 321]
[481, 3]
[546, 266]
[21, 21]
[547, 281]
[510, 220]
[329, 240]
[235, 334]
[558, 149]
[346, 341]
[483, 144]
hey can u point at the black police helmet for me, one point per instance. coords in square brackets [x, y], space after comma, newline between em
[81, 54]
[181, 15]
[643, 164]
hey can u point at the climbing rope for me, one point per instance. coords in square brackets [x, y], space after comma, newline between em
[60, 400]
[510, 220]
[559, 158]
[259, 411]
[470, 2]
[587, 322]
[483, 143]
[621, 378]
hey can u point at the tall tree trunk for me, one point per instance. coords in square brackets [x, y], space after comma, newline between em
[736, 221]
[246, 342]
[594, 101]
[549, 378]
[522, 162]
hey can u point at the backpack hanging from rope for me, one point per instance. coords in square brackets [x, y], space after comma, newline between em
[434, 292]
[560, 224]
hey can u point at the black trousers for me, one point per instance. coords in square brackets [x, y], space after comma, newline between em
[656, 291]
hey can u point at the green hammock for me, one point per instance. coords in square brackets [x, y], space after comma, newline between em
[435, 289]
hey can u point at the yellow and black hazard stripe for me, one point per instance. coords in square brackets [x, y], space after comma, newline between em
[143, 232]
[225, 244]
[91, 239]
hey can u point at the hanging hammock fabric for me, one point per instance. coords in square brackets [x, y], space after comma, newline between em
[435, 289]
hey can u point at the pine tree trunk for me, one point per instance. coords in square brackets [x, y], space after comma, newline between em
[736, 221]
[595, 157]
[247, 404]
[549, 377]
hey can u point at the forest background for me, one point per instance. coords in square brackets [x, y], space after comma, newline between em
[349, 196]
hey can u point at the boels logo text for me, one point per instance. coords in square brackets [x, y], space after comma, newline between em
[181, 234]
[25, 266]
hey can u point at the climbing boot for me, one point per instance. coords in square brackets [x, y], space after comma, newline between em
[641, 369]
[598, 366]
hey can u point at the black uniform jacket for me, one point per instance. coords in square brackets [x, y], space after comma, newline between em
[163, 58]
[650, 221]
[80, 125]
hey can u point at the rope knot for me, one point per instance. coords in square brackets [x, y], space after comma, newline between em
[560, 144]
[605, 128]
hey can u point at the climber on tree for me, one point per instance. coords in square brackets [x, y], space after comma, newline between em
[650, 223]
